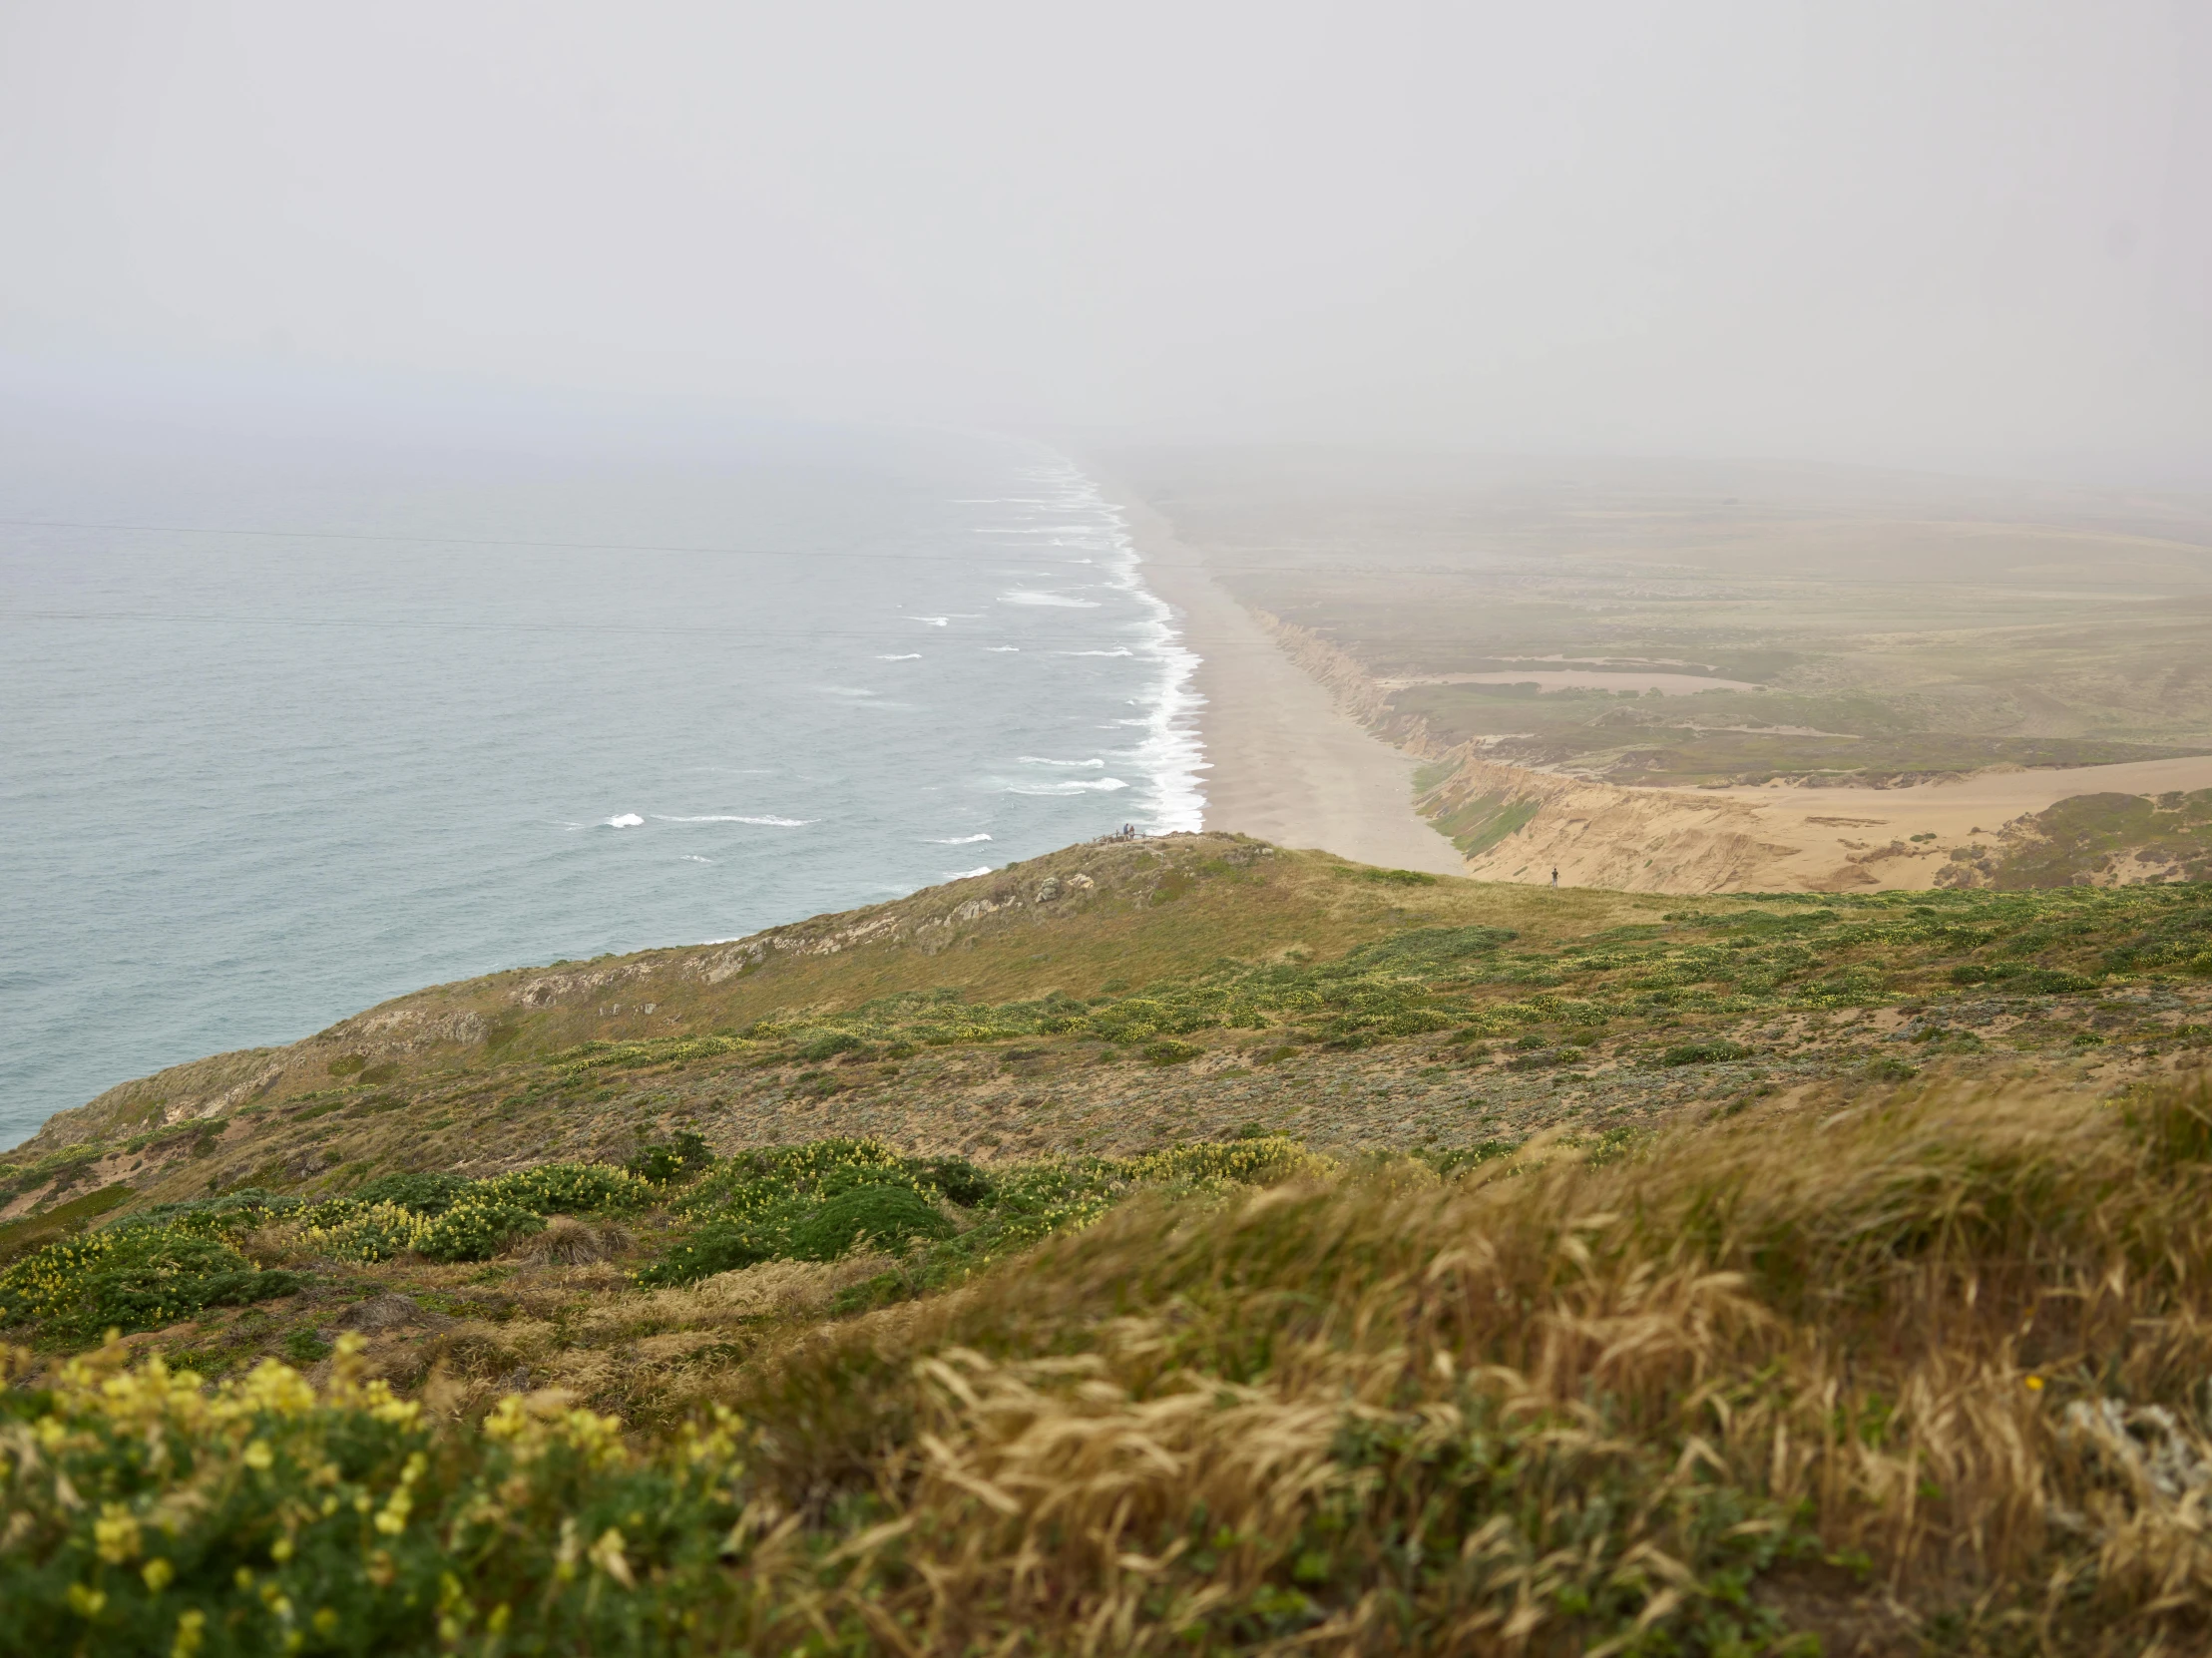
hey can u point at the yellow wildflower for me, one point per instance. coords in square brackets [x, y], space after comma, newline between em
[115, 1534]
[158, 1573]
[280, 1551]
[275, 1386]
[391, 1519]
[607, 1556]
[191, 1626]
[86, 1602]
[260, 1456]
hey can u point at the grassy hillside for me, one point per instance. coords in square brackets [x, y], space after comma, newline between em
[1182, 1244]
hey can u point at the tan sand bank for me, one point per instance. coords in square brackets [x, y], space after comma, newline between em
[1763, 839]
[1285, 763]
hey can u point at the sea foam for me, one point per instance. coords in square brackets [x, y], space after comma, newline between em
[733, 817]
[1074, 785]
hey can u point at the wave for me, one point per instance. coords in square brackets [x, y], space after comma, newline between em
[1014, 647]
[1074, 785]
[625, 820]
[910, 656]
[1119, 651]
[1039, 760]
[966, 874]
[960, 840]
[694, 858]
[933, 621]
[732, 817]
[1058, 600]
[1172, 754]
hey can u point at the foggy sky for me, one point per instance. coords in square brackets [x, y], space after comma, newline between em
[1959, 235]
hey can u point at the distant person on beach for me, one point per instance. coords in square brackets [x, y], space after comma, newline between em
[1554, 878]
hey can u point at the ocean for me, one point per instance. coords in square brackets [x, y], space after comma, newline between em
[287, 737]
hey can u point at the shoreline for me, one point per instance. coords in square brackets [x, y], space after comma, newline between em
[1279, 759]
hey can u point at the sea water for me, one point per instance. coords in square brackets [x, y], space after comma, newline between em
[284, 739]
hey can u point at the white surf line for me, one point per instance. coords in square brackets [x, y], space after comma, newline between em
[1172, 752]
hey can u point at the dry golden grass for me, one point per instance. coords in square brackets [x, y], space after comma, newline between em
[1928, 1372]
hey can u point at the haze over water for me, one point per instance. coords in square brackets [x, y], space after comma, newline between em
[256, 782]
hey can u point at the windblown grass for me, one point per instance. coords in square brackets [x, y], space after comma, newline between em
[1928, 1375]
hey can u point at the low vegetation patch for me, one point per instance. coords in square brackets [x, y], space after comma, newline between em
[1706, 1393]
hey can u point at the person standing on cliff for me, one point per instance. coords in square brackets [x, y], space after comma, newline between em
[1554, 878]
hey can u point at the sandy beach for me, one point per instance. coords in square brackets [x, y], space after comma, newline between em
[1284, 763]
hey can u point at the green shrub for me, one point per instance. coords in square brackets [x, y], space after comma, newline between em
[427, 1194]
[130, 1278]
[887, 1216]
[682, 1156]
[260, 1518]
[566, 1189]
[475, 1230]
[719, 1246]
[1716, 1052]
[368, 1232]
[958, 1178]
[1255, 1161]
[21, 1236]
